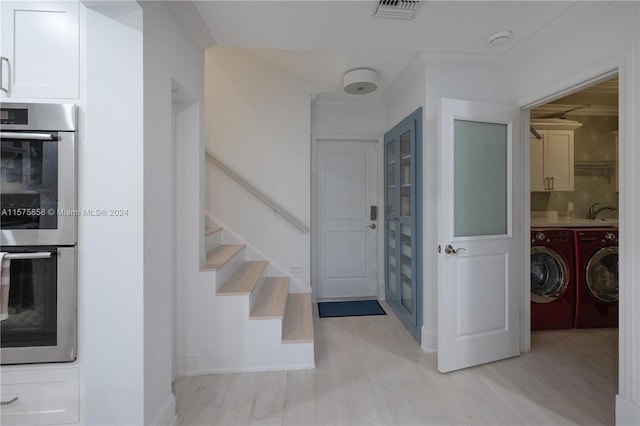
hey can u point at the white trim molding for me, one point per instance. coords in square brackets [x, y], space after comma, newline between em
[187, 14]
[429, 343]
[628, 398]
[167, 414]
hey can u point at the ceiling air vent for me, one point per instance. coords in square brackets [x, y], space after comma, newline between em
[397, 9]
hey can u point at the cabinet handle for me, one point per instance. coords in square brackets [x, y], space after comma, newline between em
[11, 401]
[2, 59]
[552, 185]
[546, 183]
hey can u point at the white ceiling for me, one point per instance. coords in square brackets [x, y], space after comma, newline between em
[337, 36]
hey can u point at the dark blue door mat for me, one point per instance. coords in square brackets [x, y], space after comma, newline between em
[355, 308]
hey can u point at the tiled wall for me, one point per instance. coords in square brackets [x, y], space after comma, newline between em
[594, 141]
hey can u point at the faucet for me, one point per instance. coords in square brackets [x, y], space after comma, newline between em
[593, 212]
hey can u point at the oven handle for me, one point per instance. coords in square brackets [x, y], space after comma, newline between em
[29, 136]
[29, 256]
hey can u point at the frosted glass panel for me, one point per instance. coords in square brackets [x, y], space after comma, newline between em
[480, 178]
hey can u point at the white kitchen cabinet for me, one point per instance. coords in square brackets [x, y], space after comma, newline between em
[552, 157]
[40, 49]
[39, 396]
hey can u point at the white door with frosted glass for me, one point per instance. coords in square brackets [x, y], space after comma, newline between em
[480, 256]
[347, 189]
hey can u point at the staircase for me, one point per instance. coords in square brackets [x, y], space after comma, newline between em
[253, 322]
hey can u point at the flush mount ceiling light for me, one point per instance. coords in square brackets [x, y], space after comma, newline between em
[360, 81]
[500, 38]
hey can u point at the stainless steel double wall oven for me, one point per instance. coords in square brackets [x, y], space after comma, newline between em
[38, 227]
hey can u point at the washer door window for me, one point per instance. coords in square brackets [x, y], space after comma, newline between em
[549, 275]
[602, 274]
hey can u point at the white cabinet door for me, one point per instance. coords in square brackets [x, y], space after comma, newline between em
[559, 160]
[40, 49]
[537, 163]
[552, 161]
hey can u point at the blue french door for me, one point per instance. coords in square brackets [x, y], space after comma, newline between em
[403, 218]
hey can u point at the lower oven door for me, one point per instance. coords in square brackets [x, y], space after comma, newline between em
[39, 309]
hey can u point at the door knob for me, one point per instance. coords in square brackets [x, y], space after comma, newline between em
[372, 226]
[450, 250]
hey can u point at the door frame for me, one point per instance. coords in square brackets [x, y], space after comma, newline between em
[570, 88]
[315, 241]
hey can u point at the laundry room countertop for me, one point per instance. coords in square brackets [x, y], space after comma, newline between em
[572, 222]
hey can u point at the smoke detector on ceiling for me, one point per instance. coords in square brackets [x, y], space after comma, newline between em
[500, 38]
[397, 9]
[360, 81]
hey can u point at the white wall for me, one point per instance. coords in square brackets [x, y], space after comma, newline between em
[352, 117]
[258, 124]
[127, 265]
[607, 40]
[171, 62]
[111, 248]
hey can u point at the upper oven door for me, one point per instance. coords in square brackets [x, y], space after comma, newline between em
[37, 188]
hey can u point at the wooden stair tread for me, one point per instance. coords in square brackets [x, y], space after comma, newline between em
[244, 279]
[217, 257]
[212, 230]
[272, 300]
[298, 321]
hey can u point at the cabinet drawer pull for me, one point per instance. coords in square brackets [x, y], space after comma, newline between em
[11, 401]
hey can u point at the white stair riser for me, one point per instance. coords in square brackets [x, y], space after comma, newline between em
[227, 270]
[212, 241]
[257, 289]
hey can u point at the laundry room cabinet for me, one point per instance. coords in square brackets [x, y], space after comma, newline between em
[403, 213]
[40, 49]
[552, 161]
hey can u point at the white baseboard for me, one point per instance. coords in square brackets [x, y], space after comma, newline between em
[167, 414]
[627, 413]
[429, 341]
[311, 366]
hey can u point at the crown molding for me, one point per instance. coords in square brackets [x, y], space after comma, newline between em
[189, 17]
[573, 14]
[511, 54]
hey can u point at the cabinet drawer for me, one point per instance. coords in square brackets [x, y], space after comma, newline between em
[45, 396]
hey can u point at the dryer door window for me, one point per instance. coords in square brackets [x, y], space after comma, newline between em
[549, 275]
[602, 274]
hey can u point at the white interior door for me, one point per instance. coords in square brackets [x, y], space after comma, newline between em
[479, 232]
[347, 234]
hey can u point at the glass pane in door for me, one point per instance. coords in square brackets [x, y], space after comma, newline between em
[406, 292]
[391, 177]
[28, 184]
[405, 173]
[480, 178]
[391, 257]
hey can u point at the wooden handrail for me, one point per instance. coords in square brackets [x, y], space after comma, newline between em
[277, 208]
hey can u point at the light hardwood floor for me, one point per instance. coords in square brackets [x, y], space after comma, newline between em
[371, 372]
